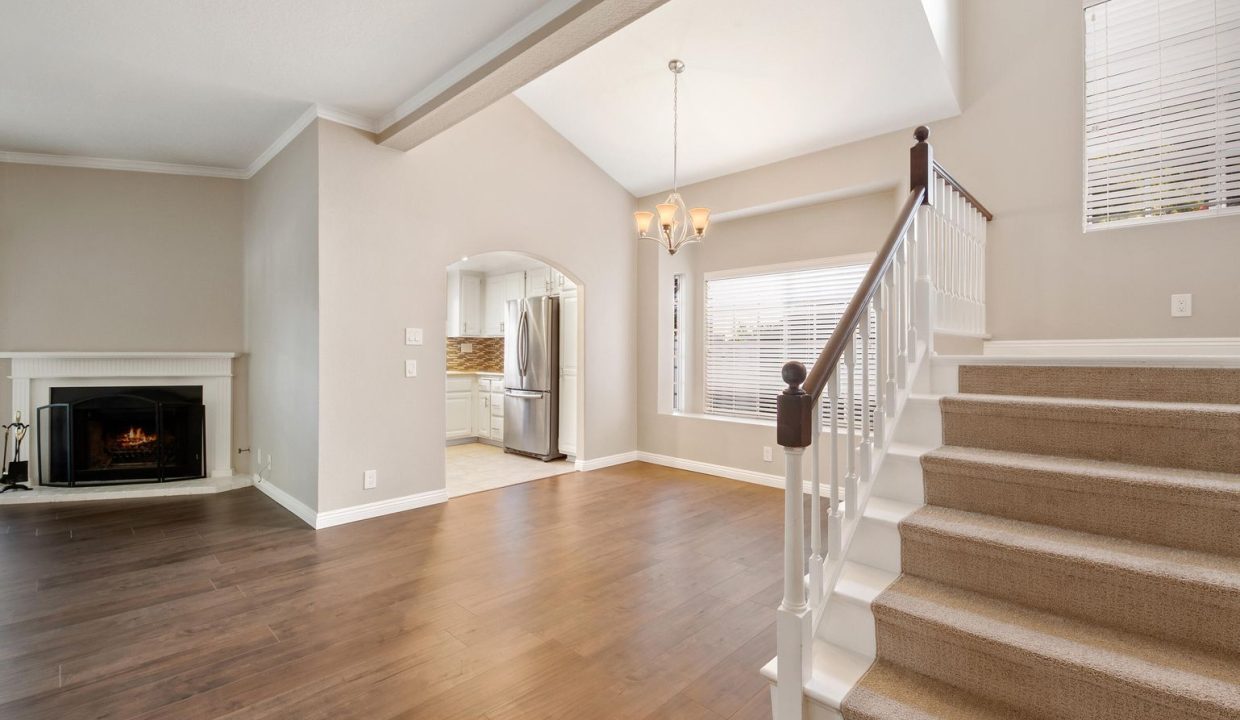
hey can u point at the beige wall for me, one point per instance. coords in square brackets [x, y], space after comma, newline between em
[282, 316]
[391, 222]
[104, 260]
[825, 230]
[1018, 146]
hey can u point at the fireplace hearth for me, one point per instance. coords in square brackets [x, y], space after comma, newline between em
[115, 435]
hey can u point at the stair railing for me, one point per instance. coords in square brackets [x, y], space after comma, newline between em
[928, 276]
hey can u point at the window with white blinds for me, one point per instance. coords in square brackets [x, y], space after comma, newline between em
[758, 320]
[1162, 110]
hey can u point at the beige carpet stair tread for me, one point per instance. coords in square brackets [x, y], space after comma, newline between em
[1214, 574]
[890, 692]
[1052, 471]
[1168, 384]
[1128, 412]
[1180, 679]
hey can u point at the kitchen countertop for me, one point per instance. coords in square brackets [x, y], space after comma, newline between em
[499, 373]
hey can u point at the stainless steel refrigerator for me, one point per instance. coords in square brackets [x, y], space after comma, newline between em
[532, 378]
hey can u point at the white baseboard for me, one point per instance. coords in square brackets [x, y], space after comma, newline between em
[606, 461]
[731, 473]
[1118, 347]
[290, 503]
[332, 518]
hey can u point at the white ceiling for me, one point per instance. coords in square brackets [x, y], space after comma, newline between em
[215, 82]
[765, 80]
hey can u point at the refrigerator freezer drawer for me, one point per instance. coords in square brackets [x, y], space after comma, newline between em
[527, 423]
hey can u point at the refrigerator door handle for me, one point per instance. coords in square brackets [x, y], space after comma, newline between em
[523, 393]
[523, 343]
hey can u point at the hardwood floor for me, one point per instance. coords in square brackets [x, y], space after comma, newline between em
[631, 592]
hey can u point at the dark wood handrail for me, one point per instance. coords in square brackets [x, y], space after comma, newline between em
[947, 177]
[806, 387]
[795, 406]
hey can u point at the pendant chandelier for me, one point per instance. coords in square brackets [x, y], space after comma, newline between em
[678, 225]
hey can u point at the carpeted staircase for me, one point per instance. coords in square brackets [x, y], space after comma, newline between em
[1078, 557]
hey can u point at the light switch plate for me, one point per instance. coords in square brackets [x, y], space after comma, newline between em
[370, 479]
[413, 336]
[1182, 305]
[411, 368]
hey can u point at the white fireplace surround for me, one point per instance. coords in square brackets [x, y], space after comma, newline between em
[34, 374]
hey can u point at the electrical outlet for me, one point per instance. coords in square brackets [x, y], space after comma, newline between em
[1182, 305]
[411, 368]
[370, 479]
[467, 348]
[413, 336]
[768, 454]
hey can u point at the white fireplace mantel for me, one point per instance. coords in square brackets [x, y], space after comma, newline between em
[35, 373]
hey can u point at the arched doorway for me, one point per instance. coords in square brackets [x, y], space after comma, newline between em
[513, 356]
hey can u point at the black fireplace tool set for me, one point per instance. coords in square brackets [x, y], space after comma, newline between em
[14, 474]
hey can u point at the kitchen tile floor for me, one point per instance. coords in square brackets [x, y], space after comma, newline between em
[476, 467]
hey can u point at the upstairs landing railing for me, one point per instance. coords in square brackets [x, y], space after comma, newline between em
[928, 276]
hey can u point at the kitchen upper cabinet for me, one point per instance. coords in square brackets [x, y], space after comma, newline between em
[499, 290]
[465, 309]
[538, 282]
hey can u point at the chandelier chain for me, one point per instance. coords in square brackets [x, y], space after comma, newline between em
[675, 130]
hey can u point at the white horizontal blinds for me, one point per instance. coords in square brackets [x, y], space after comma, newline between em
[756, 323]
[1162, 108]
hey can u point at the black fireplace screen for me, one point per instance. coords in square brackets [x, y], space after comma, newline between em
[96, 436]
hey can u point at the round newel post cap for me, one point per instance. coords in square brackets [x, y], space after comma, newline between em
[794, 373]
[921, 133]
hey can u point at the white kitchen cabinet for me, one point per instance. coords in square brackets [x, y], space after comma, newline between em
[538, 282]
[499, 290]
[464, 304]
[568, 370]
[459, 406]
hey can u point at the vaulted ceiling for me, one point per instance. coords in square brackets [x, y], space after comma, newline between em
[764, 81]
[210, 85]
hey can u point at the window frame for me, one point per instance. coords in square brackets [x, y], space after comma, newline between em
[1216, 211]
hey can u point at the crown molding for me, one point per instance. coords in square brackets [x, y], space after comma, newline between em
[96, 163]
[344, 117]
[310, 115]
[286, 137]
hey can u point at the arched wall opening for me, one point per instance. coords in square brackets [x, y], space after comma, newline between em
[494, 437]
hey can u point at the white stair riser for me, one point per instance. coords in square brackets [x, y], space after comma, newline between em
[921, 423]
[944, 378]
[849, 624]
[900, 478]
[876, 543]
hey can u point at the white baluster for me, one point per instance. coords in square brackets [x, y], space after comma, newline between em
[890, 344]
[900, 283]
[815, 513]
[880, 369]
[850, 481]
[867, 440]
[910, 248]
[835, 531]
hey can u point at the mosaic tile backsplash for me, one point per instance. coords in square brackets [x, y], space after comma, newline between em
[487, 355]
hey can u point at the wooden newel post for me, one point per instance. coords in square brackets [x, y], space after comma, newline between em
[921, 164]
[794, 409]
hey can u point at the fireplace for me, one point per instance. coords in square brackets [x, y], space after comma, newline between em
[113, 435]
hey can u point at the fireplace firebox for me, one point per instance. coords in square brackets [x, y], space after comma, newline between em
[115, 435]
